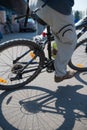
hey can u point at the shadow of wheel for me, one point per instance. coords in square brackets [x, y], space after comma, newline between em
[29, 108]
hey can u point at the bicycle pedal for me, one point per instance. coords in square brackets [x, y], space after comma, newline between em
[50, 68]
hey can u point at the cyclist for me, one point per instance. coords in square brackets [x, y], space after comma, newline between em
[58, 14]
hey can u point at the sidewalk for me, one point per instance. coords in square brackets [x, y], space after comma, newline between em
[44, 104]
[11, 36]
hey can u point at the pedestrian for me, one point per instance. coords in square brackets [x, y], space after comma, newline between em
[58, 14]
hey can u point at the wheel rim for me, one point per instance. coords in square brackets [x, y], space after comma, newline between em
[79, 57]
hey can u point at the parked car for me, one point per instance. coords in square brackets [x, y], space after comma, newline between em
[30, 27]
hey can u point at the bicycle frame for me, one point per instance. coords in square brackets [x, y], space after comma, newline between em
[83, 29]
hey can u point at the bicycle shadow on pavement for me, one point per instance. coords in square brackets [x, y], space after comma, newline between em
[73, 106]
[38, 108]
[82, 77]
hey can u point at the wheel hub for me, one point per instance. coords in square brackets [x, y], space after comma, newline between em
[16, 68]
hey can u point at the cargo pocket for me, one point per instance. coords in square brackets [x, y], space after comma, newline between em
[67, 34]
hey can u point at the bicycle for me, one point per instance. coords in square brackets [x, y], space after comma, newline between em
[78, 60]
[22, 60]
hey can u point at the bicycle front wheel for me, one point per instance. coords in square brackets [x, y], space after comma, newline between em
[20, 62]
[79, 58]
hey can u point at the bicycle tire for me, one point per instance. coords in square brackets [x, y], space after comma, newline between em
[8, 53]
[78, 60]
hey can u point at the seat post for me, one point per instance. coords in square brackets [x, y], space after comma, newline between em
[49, 41]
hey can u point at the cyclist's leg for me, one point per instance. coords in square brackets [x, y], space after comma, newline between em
[65, 44]
[66, 41]
[62, 58]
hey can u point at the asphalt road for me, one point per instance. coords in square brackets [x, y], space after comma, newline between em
[44, 104]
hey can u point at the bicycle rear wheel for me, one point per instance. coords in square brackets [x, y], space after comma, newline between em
[79, 58]
[20, 62]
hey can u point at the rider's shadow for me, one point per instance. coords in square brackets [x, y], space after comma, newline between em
[72, 105]
[36, 106]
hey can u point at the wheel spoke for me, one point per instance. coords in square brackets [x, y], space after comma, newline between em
[79, 57]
